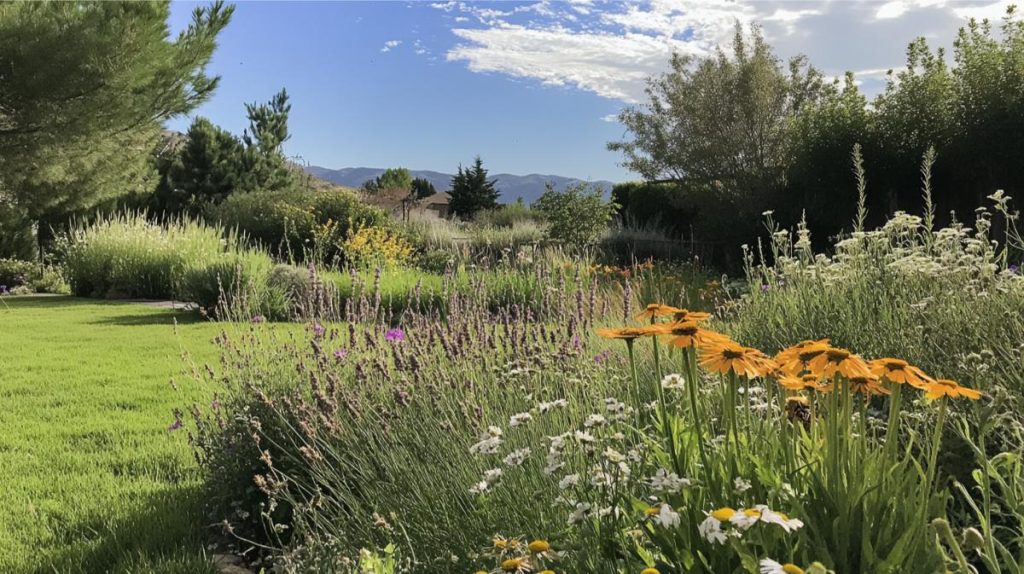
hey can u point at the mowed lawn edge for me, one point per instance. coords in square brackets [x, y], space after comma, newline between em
[92, 479]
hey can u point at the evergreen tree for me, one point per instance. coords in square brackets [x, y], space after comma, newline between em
[204, 169]
[264, 141]
[212, 163]
[472, 191]
[422, 188]
[85, 89]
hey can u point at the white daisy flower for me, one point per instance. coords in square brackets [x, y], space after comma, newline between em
[711, 530]
[666, 517]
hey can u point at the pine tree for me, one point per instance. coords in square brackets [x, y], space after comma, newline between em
[472, 191]
[86, 87]
[212, 163]
[264, 141]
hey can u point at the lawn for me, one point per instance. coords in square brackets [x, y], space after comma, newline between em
[91, 477]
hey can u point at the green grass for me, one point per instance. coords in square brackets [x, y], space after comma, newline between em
[91, 479]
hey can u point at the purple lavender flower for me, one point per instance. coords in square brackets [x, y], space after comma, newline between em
[601, 357]
[1013, 269]
[4, 290]
[340, 354]
[765, 287]
[177, 424]
[257, 319]
[319, 330]
[394, 335]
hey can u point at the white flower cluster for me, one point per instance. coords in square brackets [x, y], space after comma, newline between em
[490, 443]
[491, 477]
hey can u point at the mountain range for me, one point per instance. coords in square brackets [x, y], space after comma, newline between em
[512, 187]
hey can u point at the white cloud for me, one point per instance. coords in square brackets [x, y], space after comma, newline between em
[610, 49]
[611, 66]
[994, 11]
[610, 118]
[391, 45]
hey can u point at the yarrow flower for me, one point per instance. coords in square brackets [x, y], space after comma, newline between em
[519, 419]
[672, 381]
[668, 482]
[741, 485]
[582, 512]
[491, 477]
[568, 481]
[489, 444]
[517, 457]
[544, 407]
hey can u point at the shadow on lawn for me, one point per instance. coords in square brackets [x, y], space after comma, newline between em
[165, 536]
[167, 317]
[150, 312]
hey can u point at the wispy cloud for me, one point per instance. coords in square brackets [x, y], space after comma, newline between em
[610, 49]
[391, 45]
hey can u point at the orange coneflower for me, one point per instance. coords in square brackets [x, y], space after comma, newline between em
[838, 361]
[627, 333]
[792, 383]
[900, 372]
[794, 360]
[687, 315]
[868, 385]
[946, 388]
[658, 310]
[727, 355]
[689, 334]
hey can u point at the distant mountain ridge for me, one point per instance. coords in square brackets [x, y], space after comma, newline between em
[512, 187]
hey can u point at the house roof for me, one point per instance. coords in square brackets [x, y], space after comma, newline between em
[441, 198]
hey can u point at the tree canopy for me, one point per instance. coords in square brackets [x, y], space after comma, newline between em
[84, 89]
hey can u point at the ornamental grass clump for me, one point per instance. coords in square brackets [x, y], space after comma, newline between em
[126, 255]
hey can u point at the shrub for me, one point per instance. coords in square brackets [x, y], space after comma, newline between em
[14, 273]
[368, 246]
[298, 224]
[234, 285]
[125, 255]
[577, 216]
[507, 215]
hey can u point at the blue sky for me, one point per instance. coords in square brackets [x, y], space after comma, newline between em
[530, 86]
